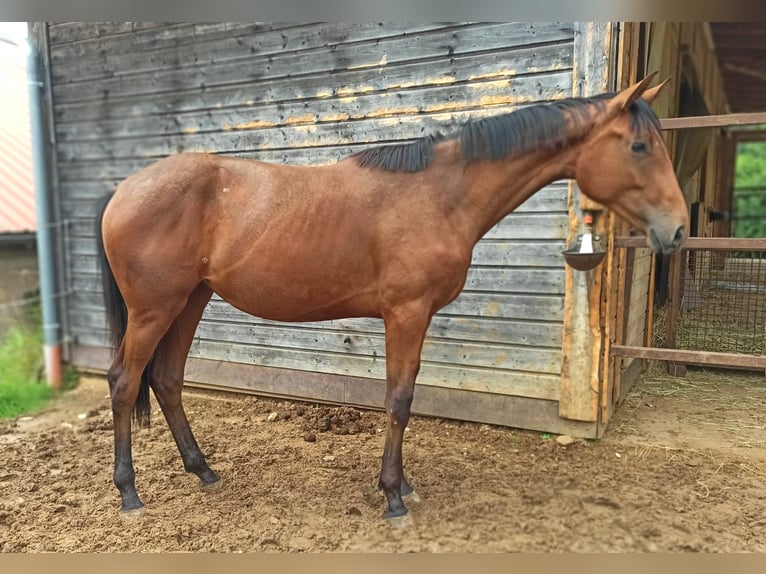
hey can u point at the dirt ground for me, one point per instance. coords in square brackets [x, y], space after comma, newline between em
[681, 468]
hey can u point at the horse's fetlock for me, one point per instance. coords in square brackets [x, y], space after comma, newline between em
[194, 464]
[124, 477]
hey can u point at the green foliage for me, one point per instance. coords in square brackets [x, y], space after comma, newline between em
[22, 386]
[21, 390]
[751, 164]
[750, 174]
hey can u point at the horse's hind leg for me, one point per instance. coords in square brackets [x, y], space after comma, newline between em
[145, 330]
[167, 381]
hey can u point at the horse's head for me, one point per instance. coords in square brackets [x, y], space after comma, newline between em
[624, 165]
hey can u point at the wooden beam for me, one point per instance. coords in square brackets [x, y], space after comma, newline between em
[720, 121]
[741, 136]
[692, 357]
[710, 243]
[631, 241]
[758, 74]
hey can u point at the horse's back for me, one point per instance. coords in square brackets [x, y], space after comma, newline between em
[171, 177]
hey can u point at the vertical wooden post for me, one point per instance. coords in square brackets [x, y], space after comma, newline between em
[614, 309]
[674, 312]
[725, 185]
[650, 304]
[582, 334]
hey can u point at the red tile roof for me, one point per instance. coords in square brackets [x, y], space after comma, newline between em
[17, 202]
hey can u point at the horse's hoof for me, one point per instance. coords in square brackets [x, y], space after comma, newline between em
[132, 514]
[401, 521]
[411, 496]
[212, 486]
[395, 512]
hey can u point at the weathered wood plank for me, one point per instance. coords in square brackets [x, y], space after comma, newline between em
[692, 357]
[703, 243]
[214, 44]
[263, 114]
[490, 408]
[514, 280]
[498, 381]
[536, 254]
[284, 336]
[281, 54]
[416, 74]
[507, 306]
[101, 56]
[371, 127]
[66, 32]
[538, 385]
[89, 337]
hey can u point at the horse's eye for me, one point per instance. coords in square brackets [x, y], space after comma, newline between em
[638, 147]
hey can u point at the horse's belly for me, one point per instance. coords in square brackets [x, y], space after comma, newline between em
[297, 300]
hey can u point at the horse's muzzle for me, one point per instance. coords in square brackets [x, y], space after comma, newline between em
[666, 244]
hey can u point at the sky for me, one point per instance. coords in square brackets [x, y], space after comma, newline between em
[15, 32]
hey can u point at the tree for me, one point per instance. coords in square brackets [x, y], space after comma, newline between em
[749, 213]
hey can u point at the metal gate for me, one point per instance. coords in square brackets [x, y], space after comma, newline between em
[717, 305]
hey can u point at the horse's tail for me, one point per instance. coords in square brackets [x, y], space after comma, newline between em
[117, 315]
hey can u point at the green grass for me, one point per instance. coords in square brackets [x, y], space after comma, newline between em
[21, 389]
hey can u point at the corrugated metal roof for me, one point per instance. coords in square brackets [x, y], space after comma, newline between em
[17, 202]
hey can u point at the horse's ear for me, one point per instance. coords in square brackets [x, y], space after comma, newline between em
[650, 94]
[625, 98]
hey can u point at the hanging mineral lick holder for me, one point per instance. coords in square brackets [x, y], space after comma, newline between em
[586, 252]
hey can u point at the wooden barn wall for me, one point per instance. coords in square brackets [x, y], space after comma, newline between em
[125, 95]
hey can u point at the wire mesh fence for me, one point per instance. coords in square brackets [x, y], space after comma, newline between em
[723, 303]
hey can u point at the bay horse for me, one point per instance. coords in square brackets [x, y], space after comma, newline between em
[387, 233]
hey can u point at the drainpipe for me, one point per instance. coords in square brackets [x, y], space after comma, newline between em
[46, 260]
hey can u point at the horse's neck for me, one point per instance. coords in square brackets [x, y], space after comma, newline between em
[493, 189]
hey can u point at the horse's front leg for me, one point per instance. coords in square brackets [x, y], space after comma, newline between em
[405, 330]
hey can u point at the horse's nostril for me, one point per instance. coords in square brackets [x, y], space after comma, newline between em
[679, 234]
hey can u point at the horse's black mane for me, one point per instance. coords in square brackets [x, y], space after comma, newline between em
[539, 127]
